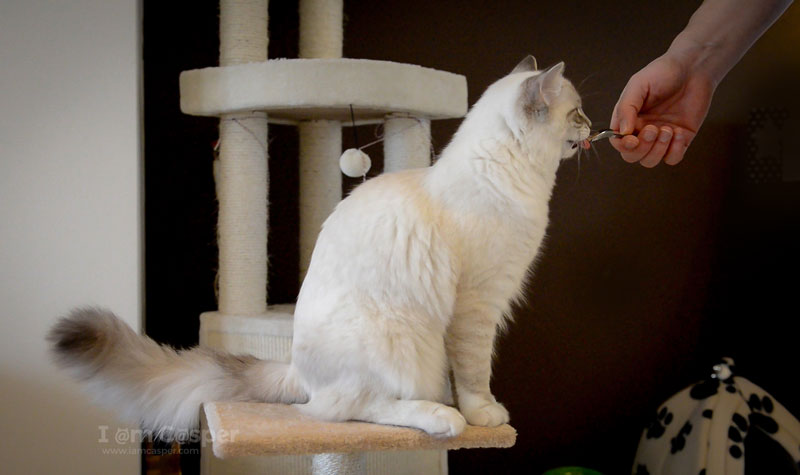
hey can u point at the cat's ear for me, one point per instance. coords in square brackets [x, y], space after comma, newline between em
[550, 82]
[541, 90]
[526, 65]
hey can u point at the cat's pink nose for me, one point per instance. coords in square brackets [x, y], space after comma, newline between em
[586, 145]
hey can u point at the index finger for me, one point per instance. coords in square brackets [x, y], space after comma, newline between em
[628, 106]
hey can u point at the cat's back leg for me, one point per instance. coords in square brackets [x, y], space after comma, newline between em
[434, 418]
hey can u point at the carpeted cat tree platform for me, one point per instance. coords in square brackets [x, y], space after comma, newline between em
[318, 93]
[259, 429]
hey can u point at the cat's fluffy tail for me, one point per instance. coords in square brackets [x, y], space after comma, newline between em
[157, 386]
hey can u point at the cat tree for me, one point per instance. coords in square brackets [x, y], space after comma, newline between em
[317, 93]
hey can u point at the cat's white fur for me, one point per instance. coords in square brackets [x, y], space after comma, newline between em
[412, 275]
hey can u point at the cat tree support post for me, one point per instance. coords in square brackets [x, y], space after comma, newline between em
[242, 184]
[320, 178]
[241, 173]
[407, 142]
[320, 140]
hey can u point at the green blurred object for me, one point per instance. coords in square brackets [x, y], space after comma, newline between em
[572, 471]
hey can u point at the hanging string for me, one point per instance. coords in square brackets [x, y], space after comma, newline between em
[380, 136]
[353, 122]
[399, 132]
[249, 131]
[236, 120]
[355, 137]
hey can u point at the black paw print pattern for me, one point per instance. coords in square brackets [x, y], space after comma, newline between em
[678, 442]
[658, 426]
[736, 434]
[704, 389]
[761, 408]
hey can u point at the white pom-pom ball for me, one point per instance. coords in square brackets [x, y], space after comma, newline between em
[354, 163]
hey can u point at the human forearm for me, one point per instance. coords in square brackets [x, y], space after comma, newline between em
[669, 98]
[721, 31]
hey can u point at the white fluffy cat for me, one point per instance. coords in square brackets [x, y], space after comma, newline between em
[412, 275]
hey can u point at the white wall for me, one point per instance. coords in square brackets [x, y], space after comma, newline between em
[70, 224]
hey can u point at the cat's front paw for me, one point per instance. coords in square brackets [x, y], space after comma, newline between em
[490, 414]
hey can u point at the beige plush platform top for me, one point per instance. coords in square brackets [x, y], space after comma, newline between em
[242, 429]
[293, 90]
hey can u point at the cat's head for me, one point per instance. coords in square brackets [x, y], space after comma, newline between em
[540, 106]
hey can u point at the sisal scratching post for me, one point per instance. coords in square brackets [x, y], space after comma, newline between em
[338, 464]
[321, 28]
[242, 182]
[320, 180]
[242, 228]
[407, 143]
[242, 170]
[320, 141]
[243, 34]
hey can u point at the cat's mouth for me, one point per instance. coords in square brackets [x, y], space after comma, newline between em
[573, 144]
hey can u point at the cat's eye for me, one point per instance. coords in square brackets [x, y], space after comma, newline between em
[578, 117]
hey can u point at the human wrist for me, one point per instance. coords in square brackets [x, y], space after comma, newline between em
[700, 59]
[720, 32]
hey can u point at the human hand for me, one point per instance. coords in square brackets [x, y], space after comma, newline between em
[662, 107]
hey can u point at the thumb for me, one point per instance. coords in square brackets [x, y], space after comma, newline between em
[627, 108]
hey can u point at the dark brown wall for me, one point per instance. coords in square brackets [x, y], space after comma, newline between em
[647, 276]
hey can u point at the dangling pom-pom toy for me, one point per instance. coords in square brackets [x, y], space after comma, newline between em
[354, 163]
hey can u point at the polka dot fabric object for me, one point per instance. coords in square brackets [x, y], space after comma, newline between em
[766, 142]
[702, 429]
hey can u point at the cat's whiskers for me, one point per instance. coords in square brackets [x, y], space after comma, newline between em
[596, 154]
[594, 94]
[580, 84]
